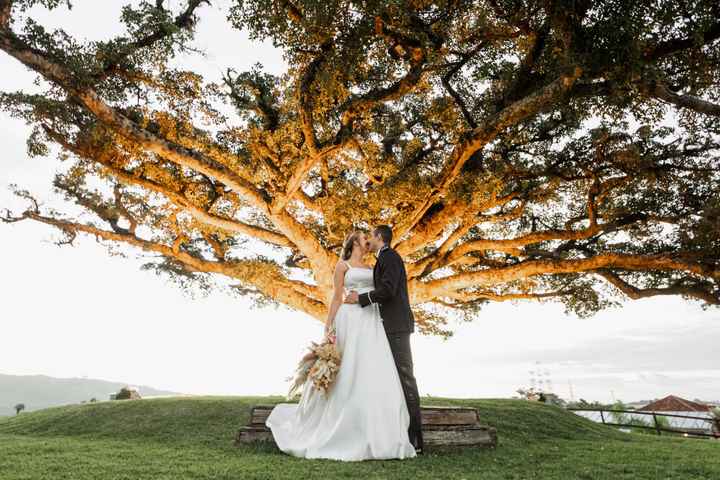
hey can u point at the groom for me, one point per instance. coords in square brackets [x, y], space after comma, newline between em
[391, 294]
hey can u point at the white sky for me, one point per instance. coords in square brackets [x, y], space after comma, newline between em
[77, 311]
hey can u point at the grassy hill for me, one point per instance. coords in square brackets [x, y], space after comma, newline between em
[41, 391]
[183, 438]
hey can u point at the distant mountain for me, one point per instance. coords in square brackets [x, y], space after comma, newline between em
[41, 391]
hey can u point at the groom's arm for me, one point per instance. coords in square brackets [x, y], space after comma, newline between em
[388, 282]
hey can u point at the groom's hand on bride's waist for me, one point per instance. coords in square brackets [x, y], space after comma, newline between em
[351, 297]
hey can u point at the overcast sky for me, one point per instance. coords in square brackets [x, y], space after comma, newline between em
[77, 311]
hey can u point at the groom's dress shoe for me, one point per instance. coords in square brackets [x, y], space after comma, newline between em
[419, 448]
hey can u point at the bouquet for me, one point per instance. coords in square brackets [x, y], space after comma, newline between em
[320, 364]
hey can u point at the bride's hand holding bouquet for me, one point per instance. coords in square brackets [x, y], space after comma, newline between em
[320, 364]
[330, 331]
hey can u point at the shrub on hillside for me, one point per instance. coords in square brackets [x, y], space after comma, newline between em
[126, 393]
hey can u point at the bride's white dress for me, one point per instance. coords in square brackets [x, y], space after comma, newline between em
[364, 416]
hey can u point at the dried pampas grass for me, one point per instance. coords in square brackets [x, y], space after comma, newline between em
[320, 364]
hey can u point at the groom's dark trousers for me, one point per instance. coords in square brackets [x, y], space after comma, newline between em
[400, 347]
[392, 295]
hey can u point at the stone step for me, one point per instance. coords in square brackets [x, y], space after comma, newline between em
[431, 415]
[442, 426]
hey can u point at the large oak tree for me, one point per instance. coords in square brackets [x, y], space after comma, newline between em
[534, 149]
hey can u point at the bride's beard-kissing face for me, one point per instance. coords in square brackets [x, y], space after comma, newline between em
[364, 244]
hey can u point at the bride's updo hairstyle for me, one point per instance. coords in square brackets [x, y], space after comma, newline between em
[348, 244]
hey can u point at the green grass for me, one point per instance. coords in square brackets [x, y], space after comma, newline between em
[192, 438]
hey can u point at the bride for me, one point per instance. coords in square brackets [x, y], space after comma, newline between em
[364, 416]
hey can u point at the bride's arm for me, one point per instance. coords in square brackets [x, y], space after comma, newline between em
[338, 289]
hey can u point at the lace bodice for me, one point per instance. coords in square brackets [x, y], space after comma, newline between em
[359, 279]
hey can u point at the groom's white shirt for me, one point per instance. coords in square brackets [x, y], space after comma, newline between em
[377, 255]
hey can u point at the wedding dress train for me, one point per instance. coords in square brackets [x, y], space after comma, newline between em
[364, 415]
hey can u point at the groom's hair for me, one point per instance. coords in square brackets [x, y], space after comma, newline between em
[385, 233]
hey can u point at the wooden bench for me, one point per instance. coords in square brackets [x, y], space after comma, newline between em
[442, 426]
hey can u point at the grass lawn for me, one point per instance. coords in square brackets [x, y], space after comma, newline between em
[192, 438]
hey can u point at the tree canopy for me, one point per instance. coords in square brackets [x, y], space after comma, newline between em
[533, 149]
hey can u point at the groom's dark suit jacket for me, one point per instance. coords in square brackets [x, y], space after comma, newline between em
[391, 292]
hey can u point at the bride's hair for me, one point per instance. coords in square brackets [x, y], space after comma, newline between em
[348, 244]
